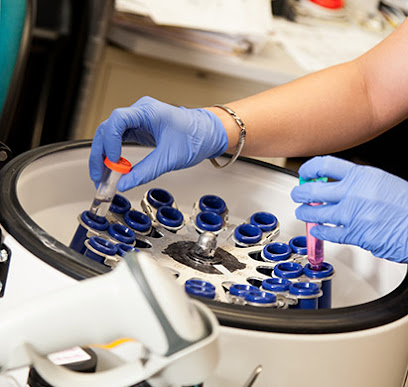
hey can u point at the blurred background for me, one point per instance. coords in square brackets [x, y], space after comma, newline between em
[88, 57]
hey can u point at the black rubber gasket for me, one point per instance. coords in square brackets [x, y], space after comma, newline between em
[384, 310]
[28, 233]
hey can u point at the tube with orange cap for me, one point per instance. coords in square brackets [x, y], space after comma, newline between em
[107, 187]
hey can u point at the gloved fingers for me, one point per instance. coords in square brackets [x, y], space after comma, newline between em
[146, 100]
[107, 142]
[397, 259]
[335, 234]
[152, 166]
[324, 213]
[325, 166]
[318, 192]
[116, 125]
[142, 137]
[109, 136]
[339, 234]
[96, 159]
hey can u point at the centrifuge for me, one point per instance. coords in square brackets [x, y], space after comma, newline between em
[219, 232]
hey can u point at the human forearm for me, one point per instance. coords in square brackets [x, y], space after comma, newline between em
[329, 110]
[314, 114]
[323, 112]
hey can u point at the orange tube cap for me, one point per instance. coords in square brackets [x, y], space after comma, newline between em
[122, 166]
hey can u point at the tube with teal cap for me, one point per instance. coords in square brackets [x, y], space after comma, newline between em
[315, 247]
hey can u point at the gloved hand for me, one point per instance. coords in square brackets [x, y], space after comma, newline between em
[182, 137]
[367, 206]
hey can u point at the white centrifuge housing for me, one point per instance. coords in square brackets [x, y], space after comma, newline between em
[361, 341]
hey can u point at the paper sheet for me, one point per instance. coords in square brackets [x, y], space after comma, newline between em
[139, 7]
[204, 40]
[320, 46]
[244, 17]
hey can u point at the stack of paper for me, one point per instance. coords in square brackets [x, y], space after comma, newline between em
[315, 47]
[223, 26]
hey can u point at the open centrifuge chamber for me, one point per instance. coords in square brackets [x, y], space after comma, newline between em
[362, 340]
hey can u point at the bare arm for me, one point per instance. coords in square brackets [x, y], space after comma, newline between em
[329, 110]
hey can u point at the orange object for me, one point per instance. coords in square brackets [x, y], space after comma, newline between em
[122, 166]
[332, 4]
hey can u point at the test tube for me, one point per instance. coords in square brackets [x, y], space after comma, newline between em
[107, 187]
[315, 247]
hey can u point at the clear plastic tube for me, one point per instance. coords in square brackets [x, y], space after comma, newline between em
[315, 247]
[107, 187]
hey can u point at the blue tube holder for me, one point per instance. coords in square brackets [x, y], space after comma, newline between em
[298, 245]
[120, 205]
[200, 288]
[306, 294]
[138, 221]
[276, 285]
[121, 234]
[158, 197]
[247, 235]
[87, 222]
[266, 221]
[170, 218]
[276, 251]
[288, 270]
[324, 275]
[260, 298]
[208, 221]
[240, 290]
[124, 248]
[212, 203]
[98, 248]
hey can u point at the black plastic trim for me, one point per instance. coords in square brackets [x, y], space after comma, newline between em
[384, 310]
[17, 222]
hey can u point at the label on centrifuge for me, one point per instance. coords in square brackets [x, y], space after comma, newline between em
[69, 356]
